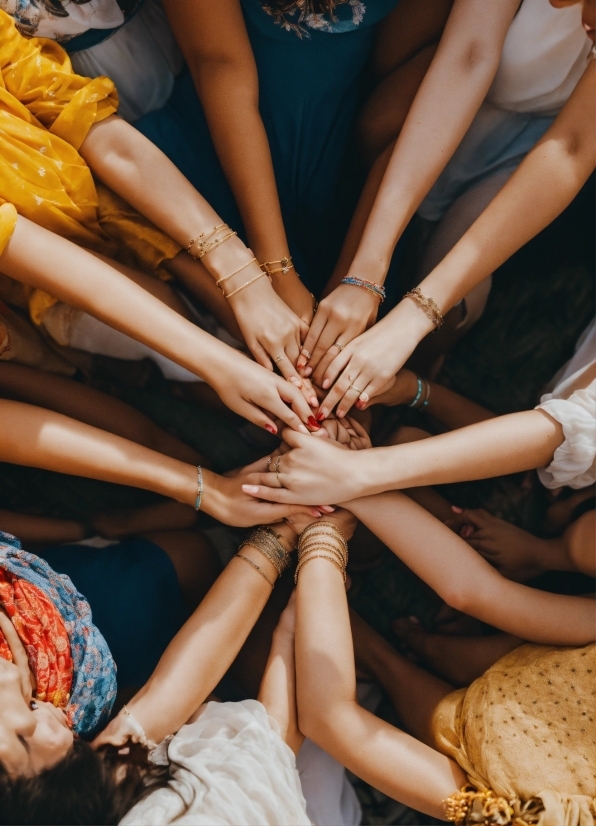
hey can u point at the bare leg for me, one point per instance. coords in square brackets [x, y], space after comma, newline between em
[461, 660]
[194, 559]
[163, 516]
[414, 692]
[39, 531]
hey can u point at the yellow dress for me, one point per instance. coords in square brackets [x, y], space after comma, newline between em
[46, 111]
[525, 735]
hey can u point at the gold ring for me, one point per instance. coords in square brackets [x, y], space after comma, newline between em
[305, 352]
[339, 346]
[269, 460]
[276, 465]
[278, 479]
[280, 358]
[353, 387]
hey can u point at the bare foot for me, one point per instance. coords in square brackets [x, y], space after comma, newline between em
[517, 554]
[459, 660]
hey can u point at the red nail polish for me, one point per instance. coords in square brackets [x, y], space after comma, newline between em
[313, 422]
[320, 416]
[271, 429]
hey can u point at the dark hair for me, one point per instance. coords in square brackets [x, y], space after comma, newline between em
[86, 787]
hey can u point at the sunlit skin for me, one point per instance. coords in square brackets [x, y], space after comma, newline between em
[33, 736]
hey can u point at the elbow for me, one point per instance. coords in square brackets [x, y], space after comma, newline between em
[311, 721]
[479, 56]
[461, 596]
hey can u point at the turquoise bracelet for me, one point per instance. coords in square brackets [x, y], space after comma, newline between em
[418, 394]
[371, 286]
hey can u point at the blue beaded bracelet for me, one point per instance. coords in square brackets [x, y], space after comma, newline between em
[371, 286]
[418, 394]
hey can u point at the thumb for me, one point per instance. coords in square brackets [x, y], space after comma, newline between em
[293, 438]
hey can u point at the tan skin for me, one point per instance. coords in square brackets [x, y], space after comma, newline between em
[564, 157]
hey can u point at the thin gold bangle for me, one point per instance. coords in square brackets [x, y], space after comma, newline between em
[243, 267]
[428, 306]
[318, 556]
[256, 567]
[247, 284]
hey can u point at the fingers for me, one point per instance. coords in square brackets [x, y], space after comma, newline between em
[321, 369]
[325, 343]
[300, 411]
[269, 494]
[479, 518]
[310, 342]
[260, 355]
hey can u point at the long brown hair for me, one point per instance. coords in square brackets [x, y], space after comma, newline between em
[279, 9]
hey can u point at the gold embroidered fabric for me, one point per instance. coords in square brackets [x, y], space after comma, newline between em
[526, 732]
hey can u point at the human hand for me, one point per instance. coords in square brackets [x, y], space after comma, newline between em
[347, 432]
[272, 331]
[118, 732]
[225, 499]
[254, 392]
[368, 363]
[340, 317]
[343, 520]
[400, 389]
[315, 472]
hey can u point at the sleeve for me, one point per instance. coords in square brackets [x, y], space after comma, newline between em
[8, 222]
[38, 73]
[574, 462]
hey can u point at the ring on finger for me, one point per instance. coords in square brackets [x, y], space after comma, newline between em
[276, 465]
[278, 479]
[305, 353]
[280, 358]
[339, 346]
[269, 460]
[353, 387]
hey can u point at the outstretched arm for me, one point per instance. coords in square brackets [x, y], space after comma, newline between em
[545, 183]
[328, 712]
[467, 582]
[36, 437]
[42, 259]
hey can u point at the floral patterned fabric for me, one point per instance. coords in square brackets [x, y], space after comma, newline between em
[41, 629]
[94, 671]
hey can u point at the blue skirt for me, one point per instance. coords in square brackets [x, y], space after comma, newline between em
[135, 599]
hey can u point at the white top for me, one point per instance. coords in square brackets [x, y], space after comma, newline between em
[93, 14]
[229, 768]
[544, 55]
[573, 404]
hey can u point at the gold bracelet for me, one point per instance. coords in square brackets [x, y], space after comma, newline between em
[256, 567]
[201, 239]
[247, 284]
[325, 550]
[318, 545]
[324, 529]
[285, 263]
[225, 277]
[318, 556]
[208, 241]
[267, 543]
[428, 306]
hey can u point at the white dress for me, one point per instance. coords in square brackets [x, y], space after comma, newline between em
[574, 462]
[544, 55]
[231, 768]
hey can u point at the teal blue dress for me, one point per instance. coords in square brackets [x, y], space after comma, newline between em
[310, 84]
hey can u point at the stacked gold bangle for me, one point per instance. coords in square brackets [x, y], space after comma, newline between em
[285, 265]
[236, 272]
[322, 540]
[269, 543]
[428, 306]
[209, 240]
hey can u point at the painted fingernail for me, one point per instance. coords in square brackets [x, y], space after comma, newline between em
[322, 414]
[360, 405]
[313, 401]
[301, 363]
[307, 372]
[250, 489]
[456, 509]
[271, 428]
[303, 429]
[340, 414]
[326, 384]
[295, 380]
[364, 397]
[315, 512]
[466, 531]
[327, 508]
[313, 422]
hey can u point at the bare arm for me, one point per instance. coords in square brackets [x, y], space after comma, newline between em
[545, 183]
[467, 582]
[36, 437]
[328, 713]
[42, 259]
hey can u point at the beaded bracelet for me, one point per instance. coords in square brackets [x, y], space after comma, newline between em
[256, 567]
[304, 562]
[285, 265]
[428, 306]
[414, 403]
[266, 542]
[371, 286]
[210, 239]
[199, 498]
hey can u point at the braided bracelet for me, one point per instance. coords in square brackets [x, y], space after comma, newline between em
[256, 567]
[285, 265]
[428, 306]
[371, 286]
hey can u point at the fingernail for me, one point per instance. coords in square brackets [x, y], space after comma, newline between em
[326, 384]
[304, 429]
[315, 512]
[313, 401]
[456, 509]
[360, 405]
[271, 428]
[321, 415]
[466, 531]
[340, 414]
[250, 489]
[313, 422]
[307, 372]
[327, 508]
[301, 362]
[364, 397]
[295, 380]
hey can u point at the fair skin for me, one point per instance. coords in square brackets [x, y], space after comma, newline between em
[328, 710]
[39, 258]
[544, 184]
[36, 437]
